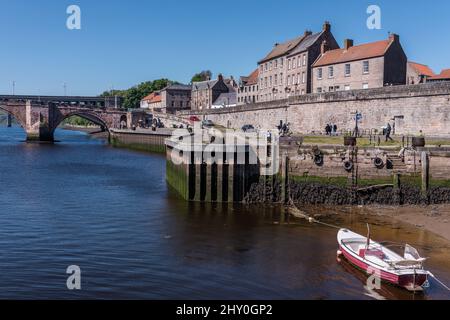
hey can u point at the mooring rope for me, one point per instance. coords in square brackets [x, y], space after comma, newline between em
[296, 212]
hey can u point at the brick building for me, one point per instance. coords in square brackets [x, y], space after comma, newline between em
[365, 66]
[286, 69]
[418, 73]
[248, 89]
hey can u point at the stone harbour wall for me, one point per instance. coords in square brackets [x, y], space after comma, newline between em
[415, 108]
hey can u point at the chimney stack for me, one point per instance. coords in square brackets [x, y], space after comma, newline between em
[348, 43]
[308, 33]
[327, 26]
[220, 77]
[394, 37]
[324, 47]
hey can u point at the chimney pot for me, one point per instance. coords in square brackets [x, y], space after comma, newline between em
[308, 33]
[348, 43]
[327, 26]
[394, 37]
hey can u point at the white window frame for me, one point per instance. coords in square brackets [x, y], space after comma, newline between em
[349, 73]
[366, 63]
[330, 72]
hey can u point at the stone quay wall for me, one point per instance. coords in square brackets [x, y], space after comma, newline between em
[415, 108]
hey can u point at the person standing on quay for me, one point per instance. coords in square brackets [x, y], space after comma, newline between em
[388, 132]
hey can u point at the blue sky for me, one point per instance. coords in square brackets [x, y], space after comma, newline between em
[122, 43]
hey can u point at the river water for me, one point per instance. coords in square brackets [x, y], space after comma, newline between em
[110, 212]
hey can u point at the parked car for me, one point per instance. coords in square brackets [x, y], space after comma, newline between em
[207, 124]
[194, 119]
[248, 128]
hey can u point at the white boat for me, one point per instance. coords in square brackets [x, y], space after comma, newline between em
[373, 258]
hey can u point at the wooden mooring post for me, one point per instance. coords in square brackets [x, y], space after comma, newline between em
[425, 172]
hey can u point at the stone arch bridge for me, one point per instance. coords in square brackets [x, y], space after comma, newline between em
[40, 116]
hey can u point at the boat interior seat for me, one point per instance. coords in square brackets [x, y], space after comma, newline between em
[378, 253]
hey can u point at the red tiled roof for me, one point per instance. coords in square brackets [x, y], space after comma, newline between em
[445, 74]
[364, 51]
[422, 69]
[153, 97]
[253, 78]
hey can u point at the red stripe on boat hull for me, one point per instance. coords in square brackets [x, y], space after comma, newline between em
[402, 280]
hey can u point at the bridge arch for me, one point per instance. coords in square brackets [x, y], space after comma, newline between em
[18, 116]
[87, 115]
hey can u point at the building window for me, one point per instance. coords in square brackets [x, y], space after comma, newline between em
[266, 66]
[331, 89]
[276, 79]
[281, 62]
[348, 70]
[293, 63]
[303, 91]
[347, 87]
[330, 72]
[265, 82]
[319, 90]
[289, 64]
[304, 60]
[270, 81]
[288, 80]
[365, 86]
[299, 62]
[303, 77]
[276, 63]
[366, 67]
[319, 73]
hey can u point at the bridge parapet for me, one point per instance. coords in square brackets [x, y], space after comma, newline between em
[40, 117]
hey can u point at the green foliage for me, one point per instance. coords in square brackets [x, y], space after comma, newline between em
[78, 121]
[202, 76]
[133, 96]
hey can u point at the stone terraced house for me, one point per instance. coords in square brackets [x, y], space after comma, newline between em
[205, 93]
[286, 69]
[248, 89]
[371, 65]
[418, 73]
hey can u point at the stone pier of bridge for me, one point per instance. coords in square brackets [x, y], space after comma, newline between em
[40, 116]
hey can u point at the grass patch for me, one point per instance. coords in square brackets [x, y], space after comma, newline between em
[415, 181]
[365, 142]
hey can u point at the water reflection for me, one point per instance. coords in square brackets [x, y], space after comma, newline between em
[110, 212]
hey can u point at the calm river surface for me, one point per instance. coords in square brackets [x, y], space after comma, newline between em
[109, 211]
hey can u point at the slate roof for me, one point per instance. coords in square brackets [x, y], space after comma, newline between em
[307, 42]
[229, 98]
[204, 84]
[282, 49]
[179, 87]
[355, 53]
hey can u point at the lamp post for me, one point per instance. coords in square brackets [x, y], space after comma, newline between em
[14, 88]
[65, 89]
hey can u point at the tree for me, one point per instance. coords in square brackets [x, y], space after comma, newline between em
[132, 97]
[202, 76]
